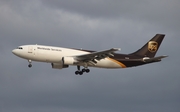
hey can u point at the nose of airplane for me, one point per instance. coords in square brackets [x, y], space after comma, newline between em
[14, 51]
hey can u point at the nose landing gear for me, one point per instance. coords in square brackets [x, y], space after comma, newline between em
[80, 72]
[30, 65]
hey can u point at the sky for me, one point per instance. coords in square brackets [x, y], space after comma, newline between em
[94, 25]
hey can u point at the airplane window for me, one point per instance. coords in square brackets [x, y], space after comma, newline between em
[20, 48]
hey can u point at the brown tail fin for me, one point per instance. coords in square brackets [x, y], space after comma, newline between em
[151, 47]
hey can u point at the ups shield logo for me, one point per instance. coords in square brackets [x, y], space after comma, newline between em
[152, 46]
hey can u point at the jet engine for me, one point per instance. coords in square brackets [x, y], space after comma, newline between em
[69, 60]
[59, 65]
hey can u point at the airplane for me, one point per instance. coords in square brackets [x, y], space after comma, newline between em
[60, 57]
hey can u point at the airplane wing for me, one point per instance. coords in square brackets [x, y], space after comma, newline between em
[92, 57]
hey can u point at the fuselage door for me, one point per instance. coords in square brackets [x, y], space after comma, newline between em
[30, 49]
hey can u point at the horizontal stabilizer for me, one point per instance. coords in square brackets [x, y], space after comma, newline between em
[155, 59]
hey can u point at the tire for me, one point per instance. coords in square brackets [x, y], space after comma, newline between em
[87, 70]
[29, 65]
[80, 73]
[77, 72]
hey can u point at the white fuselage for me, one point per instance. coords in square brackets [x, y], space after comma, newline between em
[52, 54]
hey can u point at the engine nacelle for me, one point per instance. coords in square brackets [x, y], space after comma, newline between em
[69, 61]
[59, 65]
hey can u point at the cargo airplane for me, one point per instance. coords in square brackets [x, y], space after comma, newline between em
[60, 57]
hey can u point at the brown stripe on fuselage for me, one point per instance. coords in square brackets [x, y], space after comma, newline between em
[118, 62]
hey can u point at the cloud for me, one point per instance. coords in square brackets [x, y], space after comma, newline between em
[156, 13]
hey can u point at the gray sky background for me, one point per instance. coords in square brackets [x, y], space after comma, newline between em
[95, 25]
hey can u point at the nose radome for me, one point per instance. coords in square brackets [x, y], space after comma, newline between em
[14, 51]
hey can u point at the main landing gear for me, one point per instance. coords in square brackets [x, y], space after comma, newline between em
[80, 72]
[30, 65]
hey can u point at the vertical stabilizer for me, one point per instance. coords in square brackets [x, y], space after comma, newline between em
[151, 47]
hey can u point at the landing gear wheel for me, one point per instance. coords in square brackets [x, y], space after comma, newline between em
[87, 70]
[83, 70]
[80, 72]
[77, 72]
[29, 65]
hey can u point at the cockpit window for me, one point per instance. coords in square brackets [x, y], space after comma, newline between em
[20, 48]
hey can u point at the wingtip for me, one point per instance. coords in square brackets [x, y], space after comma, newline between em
[165, 56]
[116, 49]
[160, 34]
